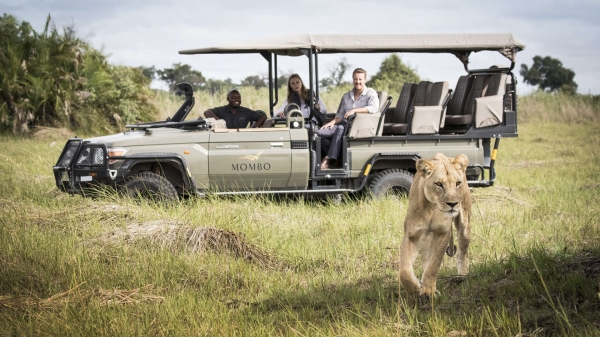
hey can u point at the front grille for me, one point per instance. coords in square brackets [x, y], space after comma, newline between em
[91, 156]
[299, 145]
[68, 153]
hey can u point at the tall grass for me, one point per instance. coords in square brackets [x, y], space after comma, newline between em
[77, 266]
[542, 106]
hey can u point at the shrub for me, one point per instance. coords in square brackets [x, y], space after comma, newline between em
[56, 79]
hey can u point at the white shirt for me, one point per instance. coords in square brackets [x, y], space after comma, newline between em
[367, 99]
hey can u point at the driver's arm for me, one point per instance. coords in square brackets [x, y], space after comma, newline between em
[210, 114]
[260, 121]
[259, 117]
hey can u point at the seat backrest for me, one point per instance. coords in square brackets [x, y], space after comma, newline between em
[477, 90]
[496, 85]
[461, 91]
[403, 105]
[437, 95]
[422, 93]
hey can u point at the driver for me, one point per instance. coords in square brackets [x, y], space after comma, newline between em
[235, 115]
[358, 100]
[297, 93]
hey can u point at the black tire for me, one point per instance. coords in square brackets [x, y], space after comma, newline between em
[151, 186]
[391, 182]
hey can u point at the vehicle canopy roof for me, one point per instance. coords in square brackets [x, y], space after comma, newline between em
[460, 45]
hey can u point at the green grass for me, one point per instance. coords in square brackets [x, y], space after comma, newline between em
[535, 256]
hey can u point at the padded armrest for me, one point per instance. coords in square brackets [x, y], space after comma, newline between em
[216, 124]
[364, 125]
[426, 120]
[489, 111]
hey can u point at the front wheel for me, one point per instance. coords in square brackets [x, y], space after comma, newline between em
[150, 186]
[391, 182]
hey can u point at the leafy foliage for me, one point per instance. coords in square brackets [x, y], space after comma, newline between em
[393, 73]
[336, 75]
[216, 86]
[254, 81]
[181, 73]
[149, 72]
[549, 74]
[58, 80]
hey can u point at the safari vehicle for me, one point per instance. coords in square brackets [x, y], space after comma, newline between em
[178, 157]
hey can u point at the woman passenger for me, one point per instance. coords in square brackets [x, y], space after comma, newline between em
[297, 93]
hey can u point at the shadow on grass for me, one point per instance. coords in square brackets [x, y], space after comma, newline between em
[538, 293]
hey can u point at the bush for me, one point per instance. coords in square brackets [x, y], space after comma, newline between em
[56, 79]
[392, 75]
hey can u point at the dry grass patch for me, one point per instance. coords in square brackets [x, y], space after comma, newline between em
[77, 295]
[52, 134]
[174, 236]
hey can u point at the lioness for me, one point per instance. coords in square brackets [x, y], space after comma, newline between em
[439, 194]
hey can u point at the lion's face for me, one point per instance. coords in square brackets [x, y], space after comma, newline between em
[444, 179]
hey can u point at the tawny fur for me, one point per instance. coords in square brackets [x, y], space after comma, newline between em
[438, 184]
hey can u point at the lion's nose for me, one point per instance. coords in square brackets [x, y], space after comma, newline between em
[452, 204]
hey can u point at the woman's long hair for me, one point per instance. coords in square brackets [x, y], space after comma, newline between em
[303, 90]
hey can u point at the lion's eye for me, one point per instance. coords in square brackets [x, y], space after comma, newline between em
[458, 183]
[438, 184]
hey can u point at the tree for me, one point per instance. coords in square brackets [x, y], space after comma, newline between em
[392, 75]
[56, 79]
[149, 72]
[181, 73]
[336, 74]
[214, 86]
[549, 73]
[253, 81]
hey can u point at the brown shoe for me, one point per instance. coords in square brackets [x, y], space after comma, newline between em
[325, 164]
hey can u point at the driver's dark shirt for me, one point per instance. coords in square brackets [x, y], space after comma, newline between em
[238, 120]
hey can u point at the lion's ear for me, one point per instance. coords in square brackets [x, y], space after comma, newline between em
[424, 166]
[461, 162]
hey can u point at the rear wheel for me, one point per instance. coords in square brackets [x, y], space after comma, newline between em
[391, 182]
[150, 186]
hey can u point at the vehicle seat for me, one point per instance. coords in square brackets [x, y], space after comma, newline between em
[459, 116]
[396, 118]
[365, 125]
[489, 109]
[428, 117]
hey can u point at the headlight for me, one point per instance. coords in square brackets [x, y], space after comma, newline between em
[114, 152]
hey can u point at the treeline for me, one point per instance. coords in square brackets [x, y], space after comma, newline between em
[392, 74]
[53, 78]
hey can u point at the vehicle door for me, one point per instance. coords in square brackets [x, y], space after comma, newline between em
[249, 159]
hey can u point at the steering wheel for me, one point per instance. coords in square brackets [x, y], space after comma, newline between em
[294, 107]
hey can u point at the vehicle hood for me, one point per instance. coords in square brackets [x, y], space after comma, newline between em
[158, 136]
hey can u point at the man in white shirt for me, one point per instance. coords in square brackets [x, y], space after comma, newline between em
[358, 100]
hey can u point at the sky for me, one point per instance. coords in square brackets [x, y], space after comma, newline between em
[151, 32]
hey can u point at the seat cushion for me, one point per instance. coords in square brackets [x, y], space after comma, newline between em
[458, 120]
[395, 129]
